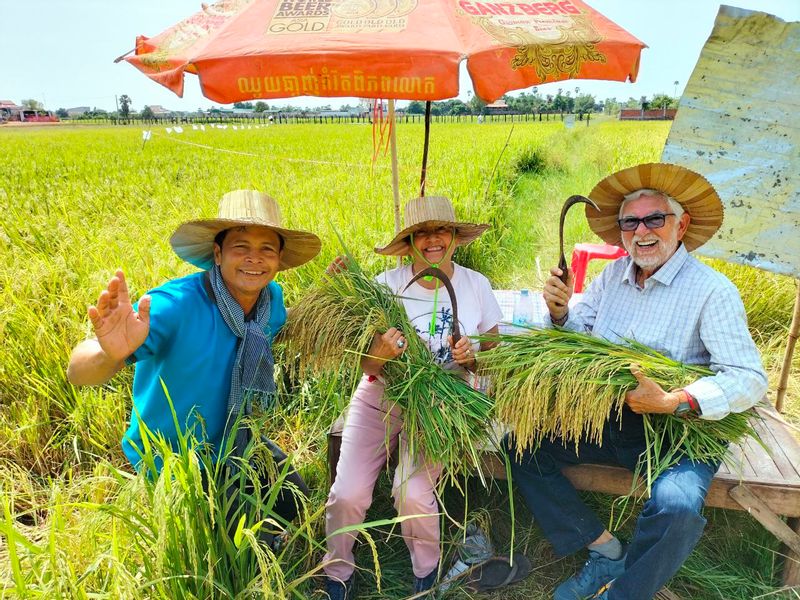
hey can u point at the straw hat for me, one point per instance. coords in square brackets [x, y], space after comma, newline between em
[194, 241]
[426, 213]
[690, 189]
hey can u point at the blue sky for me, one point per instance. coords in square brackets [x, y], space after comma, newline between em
[61, 52]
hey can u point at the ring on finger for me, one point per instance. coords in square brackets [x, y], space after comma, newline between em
[401, 343]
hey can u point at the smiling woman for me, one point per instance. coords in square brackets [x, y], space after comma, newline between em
[375, 420]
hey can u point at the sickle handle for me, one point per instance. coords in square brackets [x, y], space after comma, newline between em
[441, 276]
[562, 264]
[570, 202]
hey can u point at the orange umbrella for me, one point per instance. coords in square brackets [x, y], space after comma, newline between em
[400, 49]
[394, 49]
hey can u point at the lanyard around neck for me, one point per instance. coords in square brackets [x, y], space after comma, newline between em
[432, 328]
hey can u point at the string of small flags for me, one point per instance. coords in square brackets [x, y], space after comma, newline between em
[147, 134]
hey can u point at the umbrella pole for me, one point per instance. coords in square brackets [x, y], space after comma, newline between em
[794, 333]
[395, 175]
[424, 173]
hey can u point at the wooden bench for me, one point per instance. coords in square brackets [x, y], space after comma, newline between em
[762, 480]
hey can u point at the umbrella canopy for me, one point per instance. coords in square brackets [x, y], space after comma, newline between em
[401, 49]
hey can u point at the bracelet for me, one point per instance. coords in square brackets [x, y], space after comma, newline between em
[560, 322]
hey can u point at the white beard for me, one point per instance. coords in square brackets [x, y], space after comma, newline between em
[652, 262]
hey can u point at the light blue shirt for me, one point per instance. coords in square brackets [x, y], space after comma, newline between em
[688, 312]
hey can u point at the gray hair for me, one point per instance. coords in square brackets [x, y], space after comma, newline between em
[674, 205]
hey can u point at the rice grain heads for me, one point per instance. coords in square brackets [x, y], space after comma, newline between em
[555, 383]
[331, 328]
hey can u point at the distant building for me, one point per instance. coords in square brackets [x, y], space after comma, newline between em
[159, 111]
[9, 111]
[498, 107]
[353, 112]
[367, 105]
[78, 111]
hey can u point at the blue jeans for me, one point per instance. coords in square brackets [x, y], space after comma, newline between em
[667, 529]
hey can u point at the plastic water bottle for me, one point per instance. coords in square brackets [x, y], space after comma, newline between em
[475, 549]
[523, 309]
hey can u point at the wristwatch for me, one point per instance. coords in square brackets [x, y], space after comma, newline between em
[687, 406]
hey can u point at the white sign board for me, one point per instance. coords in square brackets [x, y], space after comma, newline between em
[738, 124]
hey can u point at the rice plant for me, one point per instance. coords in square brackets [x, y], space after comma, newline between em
[78, 202]
[555, 383]
[333, 326]
[190, 531]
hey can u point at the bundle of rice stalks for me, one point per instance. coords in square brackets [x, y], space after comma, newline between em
[331, 328]
[556, 383]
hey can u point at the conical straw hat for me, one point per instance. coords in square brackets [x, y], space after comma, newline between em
[194, 241]
[427, 213]
[693, 191]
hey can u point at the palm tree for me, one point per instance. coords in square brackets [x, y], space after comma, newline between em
[125, 105]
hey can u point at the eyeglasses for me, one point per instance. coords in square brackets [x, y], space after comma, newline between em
[654, 221]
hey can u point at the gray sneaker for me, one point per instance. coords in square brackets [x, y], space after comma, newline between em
[596, 573]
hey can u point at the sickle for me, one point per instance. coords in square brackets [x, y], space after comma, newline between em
[571, 201]
[441, 276]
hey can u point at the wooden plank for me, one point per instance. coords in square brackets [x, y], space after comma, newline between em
[781, 499]
[724, 469]
[760, 460]
[762, 513]
[736, 479]
[738, 463]
[784, 440]
[777, 451]
[791, 564]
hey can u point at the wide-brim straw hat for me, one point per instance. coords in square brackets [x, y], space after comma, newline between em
[193, 241]
[428, 213]
[693, 191]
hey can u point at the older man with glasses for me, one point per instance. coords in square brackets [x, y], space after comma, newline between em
[662, 297]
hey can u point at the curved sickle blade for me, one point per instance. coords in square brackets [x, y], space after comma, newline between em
[441, 276]
[571, 201]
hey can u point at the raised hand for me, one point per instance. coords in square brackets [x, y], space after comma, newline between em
[120, 330]
[556, 293]
[338, 265]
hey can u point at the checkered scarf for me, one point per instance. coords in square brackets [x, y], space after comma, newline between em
[252, 377]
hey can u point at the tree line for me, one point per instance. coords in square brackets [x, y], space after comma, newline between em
[563, 101]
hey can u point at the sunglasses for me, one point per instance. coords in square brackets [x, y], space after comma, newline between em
[654, 221]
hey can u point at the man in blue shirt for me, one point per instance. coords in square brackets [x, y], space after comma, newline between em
[208, 335]
[666, 299]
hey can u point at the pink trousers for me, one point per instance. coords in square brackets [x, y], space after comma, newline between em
[371, 433]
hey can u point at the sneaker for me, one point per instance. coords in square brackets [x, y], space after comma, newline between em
[338, 590]
[423, 584]
[596, 573]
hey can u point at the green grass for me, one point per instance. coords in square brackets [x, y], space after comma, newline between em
[79, 202]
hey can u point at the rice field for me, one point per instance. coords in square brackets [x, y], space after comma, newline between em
[79, 202]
